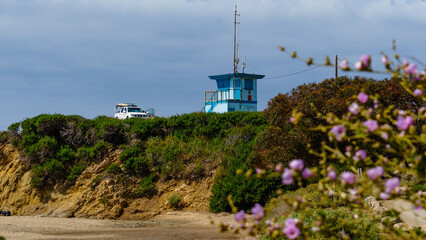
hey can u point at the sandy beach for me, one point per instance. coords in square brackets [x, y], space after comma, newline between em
[170, 225]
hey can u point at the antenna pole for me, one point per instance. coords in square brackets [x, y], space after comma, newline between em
[335, 68]
[235, 39]
[235, 47]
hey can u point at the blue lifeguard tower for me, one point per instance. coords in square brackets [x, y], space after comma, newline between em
[236, 91]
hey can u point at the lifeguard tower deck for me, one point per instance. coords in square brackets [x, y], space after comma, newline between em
[235, 91]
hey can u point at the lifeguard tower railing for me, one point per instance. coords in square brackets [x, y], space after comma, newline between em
[212, 98]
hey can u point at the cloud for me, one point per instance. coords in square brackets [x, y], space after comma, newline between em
[60, 55]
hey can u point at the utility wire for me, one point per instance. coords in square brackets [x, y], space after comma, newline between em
[291, 74]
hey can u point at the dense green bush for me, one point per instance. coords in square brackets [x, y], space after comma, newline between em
[47, 172]
[113, 168]
[86, 153]
[65, 154]
[44, 148]
[134, 160]
[174, 200]
[339, 220]
[340, 223]
[244, 191]
[181, 147]
[76, 170]
[281, 142]
[146, 187]
[110, 130]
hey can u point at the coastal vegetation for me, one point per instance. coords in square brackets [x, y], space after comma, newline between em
[241, 150]
[369, 155]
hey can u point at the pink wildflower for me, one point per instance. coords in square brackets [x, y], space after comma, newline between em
[287, 177]
[358, 65]
[348, 177]
[344, 65]
[418, 92]
[290, 221]
[362, 97]
[338, 131]
[374, 173]
[296, 164]
[290, 229]
[403, 123]
[354, 108]
[257, 211]
[411, 69]
[371, 125]
[240, 216]
[365, 60]
[384, 196]
[292, 232]
[361, 154]
[307, 173]
[391, 184]
[279, 167]
[332, 175]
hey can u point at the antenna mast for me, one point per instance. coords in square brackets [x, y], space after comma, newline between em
[236, 60]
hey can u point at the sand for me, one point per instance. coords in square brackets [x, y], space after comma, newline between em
[171, 225]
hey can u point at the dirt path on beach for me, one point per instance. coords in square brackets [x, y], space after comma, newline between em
[171, 225]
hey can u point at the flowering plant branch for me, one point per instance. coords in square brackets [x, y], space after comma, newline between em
[383, 142]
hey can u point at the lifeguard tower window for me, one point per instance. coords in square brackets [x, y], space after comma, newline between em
[249, 84]
[223, 83]
[237, 83]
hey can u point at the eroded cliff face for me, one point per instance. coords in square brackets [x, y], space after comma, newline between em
[94, 194]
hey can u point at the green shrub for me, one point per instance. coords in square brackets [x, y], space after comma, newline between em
[113, 168]
[340, 220]
[86, 153]
[110, 130]
[104, 200]
[101, 146]
[95, 180]
[174, 200]
[146, 187]
[166, 156]
[47, 173]
[277, 207]
[135, 161]
[36, 182]
[43, 148]
[172, 164]
[4, 136]
[14, 127]
[76, 171]
[65, 154]
[245, 191]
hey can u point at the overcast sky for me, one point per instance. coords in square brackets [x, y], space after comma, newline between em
[84, 56]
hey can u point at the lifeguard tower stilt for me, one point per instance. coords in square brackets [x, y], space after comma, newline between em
[236, 91]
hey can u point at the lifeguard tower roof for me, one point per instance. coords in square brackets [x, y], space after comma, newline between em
[237, 75]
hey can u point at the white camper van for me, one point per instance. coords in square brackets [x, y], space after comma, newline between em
[130, 110]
